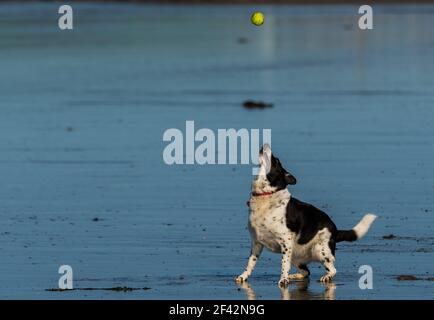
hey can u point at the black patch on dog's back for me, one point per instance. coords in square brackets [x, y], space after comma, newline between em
[306, 220]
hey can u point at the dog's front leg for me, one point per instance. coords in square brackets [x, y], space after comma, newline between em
[254, 256]
[286, 262]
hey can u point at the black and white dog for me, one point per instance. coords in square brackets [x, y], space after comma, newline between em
[297, 230]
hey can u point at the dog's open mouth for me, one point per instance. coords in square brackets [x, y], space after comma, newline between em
[265, 158]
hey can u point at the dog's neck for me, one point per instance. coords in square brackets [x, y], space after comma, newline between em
[262, 188]
[266, 197]
[263, 194]
[261, 185]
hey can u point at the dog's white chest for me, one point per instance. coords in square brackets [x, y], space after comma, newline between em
[267, 220]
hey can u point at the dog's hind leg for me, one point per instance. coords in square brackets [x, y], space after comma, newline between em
[328, 260]
[330, 268]
[303, 272]
[254, 256]
[323, 252]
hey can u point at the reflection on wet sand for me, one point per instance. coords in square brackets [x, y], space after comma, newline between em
[250, 293]
[299, 292]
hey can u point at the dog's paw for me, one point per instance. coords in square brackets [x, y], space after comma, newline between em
[283, 282]
[240, 279]
[296, 276]
[326, 278]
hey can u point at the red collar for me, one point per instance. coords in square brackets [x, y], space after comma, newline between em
[262, 194]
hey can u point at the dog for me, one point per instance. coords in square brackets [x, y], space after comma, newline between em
[299, 231]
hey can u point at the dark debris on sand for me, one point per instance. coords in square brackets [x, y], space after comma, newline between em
[409, 277]
[117, 289]
[250, 104]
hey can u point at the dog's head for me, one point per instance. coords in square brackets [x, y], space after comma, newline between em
[272, 175]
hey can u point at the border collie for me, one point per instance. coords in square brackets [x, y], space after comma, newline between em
[297, 230]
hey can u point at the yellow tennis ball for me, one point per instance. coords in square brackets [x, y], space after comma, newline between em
[258, 18]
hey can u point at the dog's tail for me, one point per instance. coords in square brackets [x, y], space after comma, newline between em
[358, 231]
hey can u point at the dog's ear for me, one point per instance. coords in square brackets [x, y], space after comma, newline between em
[290, 179]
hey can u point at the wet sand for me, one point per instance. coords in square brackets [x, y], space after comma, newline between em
[274, 2]
[82, 115]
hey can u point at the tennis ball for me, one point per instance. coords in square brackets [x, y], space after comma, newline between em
[258, 18]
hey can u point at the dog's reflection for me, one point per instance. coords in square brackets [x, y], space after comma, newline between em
[250, 293]
[300, 292]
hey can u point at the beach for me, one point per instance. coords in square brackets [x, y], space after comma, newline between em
[82, 117]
